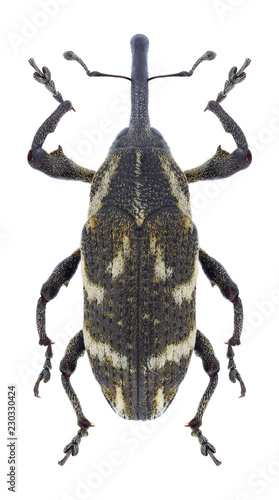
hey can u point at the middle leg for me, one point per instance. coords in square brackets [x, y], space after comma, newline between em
[218, 275]
[61, 275]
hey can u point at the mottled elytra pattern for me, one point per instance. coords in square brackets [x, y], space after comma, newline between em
[139, 258]
[139, 323]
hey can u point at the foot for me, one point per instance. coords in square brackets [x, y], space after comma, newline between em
[45, 373]
[206, 447]
[73, 447]
[234, 374]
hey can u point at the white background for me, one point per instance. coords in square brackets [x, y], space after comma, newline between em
[237, 220]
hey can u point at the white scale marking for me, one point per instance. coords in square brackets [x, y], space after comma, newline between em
[116, 267]
[177, 191]
[94, 291]
[173, 352]
[159, 403]
[103, 188]
[119, 402]
[186, 290]
[137, 201]
[161, 271]
[102, 351]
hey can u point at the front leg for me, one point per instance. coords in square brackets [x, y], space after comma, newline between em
[54, 164]
[223, 164]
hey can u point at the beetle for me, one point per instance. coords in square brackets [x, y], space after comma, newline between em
[139, 258]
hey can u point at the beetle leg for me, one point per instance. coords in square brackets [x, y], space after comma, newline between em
[74, 350]
[218, 275]
[205, 351]
[223, 164]
[61, 275]
[55, 164]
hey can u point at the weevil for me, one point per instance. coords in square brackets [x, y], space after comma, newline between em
[139, 257]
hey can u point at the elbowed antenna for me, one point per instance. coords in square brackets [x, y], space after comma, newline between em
[71, 56]
[208, 56]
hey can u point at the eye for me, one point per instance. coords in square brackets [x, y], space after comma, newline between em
[30, 155]
[249, 156]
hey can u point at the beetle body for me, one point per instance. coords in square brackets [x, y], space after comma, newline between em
[139, 289]
[139, 257]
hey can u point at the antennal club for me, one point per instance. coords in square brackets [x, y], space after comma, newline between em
[71, 56]
[208, 56]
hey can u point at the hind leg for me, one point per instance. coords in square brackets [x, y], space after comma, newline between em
[68, 365]
[205, 351]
